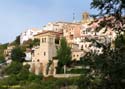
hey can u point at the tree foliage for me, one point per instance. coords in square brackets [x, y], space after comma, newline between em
[35, 42]
[109, 6]
[106, 71]
[64, 52]
[31, 43]
[112, 12]
[18, 54]
[18, 75]
[17, 41]
[14, 68]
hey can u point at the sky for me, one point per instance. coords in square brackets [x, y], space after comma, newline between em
[17, 16]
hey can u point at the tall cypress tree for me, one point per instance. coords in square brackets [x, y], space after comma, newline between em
[63, 53]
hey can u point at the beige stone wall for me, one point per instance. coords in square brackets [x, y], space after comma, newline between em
[36, 54]
[45, 52]
[47, 48]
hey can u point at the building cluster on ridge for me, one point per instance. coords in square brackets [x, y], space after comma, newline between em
[75, 33]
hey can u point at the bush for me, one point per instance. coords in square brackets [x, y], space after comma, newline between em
[23, 74]
[14, 68]
[32, 86]
[12, 80]
[33, 77]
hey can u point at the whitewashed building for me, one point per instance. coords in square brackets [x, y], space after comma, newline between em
[28, 34]
[54, 26]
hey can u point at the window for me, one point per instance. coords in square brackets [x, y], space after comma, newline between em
[71, 37]
[43, 40]
[44, 53]
[84, 32]
[51, 40]
[38, 60]
[57, 41]
[82, 47]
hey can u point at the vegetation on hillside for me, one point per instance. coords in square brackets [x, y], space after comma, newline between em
[19, 77]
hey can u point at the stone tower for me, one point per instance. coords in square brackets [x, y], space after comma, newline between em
[45, 52]
[85, 17]
[47, 46]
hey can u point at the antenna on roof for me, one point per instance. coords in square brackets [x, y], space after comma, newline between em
[73, 17]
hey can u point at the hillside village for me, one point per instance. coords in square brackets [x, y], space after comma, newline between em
[85, 54]
[77, 35]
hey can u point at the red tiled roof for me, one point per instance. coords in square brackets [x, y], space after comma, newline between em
[44, 32]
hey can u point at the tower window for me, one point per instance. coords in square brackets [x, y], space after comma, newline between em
[51, 40]
[82, 47]
[38, 60]
[44, 53]
[43, 40]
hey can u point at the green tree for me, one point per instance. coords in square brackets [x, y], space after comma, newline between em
[33, 86]
[109, 6]
[18, 54]
[11, 80]
[114, 8]
[17, 41]
[106, 71]
[34, 42]
[14, 68]
[24, 73]
[63, 54]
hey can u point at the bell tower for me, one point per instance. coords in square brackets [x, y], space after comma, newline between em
[45, 52]
[47, 46]
[85, 18]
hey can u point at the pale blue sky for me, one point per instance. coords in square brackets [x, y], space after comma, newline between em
[19, 15]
